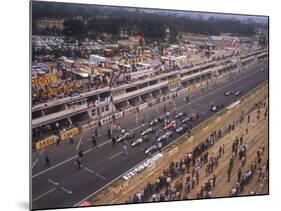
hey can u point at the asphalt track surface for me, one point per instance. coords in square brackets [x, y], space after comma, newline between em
[62, 185]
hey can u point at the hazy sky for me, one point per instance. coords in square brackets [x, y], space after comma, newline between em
[259, 19]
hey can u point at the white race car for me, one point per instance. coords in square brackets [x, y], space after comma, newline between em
[179, 129]
[147, 131]
[124, 137]
[214, 108]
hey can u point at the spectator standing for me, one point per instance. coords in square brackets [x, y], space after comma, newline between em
[239, 175]
[79, 163]
[47, 160]
[113, 141]
[94, 141]
[214, 180]
[109, 133]
[125, 149]
[96, 132]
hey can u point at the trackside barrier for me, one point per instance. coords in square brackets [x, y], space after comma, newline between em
[45, 142]
[67, 134]
[130, 111]
[64, 135]
[142, 106]
[89, 126]
[106, 120]
[118, 115]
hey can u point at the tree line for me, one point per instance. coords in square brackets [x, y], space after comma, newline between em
[94, 21]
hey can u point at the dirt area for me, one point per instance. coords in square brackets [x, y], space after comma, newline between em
[257, 137]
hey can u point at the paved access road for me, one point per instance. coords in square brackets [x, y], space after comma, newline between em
[63, 185]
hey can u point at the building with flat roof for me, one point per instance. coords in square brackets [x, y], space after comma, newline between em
[42, 24]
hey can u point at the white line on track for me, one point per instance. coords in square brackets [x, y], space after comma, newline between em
[216, 90]
[61, 163]
[37, 159]
[104, 143]
[44, 194]
[53, 182]
[203, 106]
[35, 162]
[91, 171]
[65, 190]
[136, 128]
[114, 156]
[100, 176]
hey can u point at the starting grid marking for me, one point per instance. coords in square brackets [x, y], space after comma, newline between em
[65, 190]
[91, 171]
[52, 190]
[44, 194]
[37, 159]
[116, 155]
[62, 188]
[35, 162]
[53, 182]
